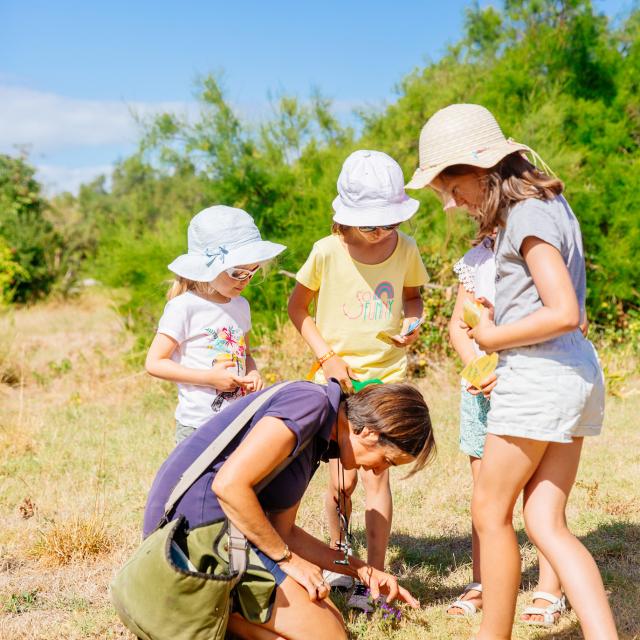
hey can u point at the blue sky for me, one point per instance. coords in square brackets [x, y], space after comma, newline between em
[71, 72]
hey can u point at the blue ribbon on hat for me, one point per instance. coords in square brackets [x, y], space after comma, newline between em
[220, 252]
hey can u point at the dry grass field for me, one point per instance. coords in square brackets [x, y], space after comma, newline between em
[82, 434]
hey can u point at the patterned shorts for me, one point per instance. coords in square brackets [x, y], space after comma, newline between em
[473, 423]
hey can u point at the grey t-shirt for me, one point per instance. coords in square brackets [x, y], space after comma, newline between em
[551, 221]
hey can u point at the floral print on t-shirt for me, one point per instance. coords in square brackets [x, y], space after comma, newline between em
[227, 343]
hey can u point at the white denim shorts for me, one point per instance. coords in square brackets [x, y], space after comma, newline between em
[552, 392]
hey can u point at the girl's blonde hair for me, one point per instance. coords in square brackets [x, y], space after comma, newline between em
[181, 285]
[512, 180]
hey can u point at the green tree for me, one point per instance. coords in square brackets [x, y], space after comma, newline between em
[30, 237]
[557, 75]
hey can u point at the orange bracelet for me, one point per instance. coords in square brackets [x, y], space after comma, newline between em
[322, 359]
[318, 363]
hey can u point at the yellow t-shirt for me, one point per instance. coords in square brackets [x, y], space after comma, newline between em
[355, 301]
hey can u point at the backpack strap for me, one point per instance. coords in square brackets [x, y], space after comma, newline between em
[238, 544]
[217, 446]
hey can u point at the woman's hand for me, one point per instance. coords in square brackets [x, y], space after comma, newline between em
[381, 583]
[486, 387]
[336, 367]
[252, 381]
[306, 574]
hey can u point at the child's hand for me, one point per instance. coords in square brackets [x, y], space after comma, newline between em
[483, 331]
[223, 376]
[336, 367]
[252, 381]
[486, 388]
[407, 340]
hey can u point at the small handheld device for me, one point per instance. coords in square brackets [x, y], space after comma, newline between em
[413, 326]
[387, 337]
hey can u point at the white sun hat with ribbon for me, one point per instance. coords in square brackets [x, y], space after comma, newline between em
[371, 191]
[220, 238]
[461, 134]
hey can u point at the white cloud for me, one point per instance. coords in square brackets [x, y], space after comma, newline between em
[70, 141]
[48, 122]
[57, 178]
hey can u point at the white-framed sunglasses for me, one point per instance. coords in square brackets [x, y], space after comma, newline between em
[236, 273]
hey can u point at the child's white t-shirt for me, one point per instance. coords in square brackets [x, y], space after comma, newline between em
[206, 332]
[476, 271]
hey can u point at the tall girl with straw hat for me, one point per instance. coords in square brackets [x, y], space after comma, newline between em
[550, 391]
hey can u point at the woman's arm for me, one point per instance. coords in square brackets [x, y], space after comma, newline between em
[321, 555]
[335, 367]
[160, 365]
[263, 449]
[559, 314]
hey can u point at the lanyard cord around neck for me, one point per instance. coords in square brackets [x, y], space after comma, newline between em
[343, 521]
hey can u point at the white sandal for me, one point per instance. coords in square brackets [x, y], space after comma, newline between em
[468, 608]
[557, 605]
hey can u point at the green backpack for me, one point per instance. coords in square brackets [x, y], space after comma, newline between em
[178, 584]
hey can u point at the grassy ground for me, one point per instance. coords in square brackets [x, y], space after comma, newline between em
[82, 434]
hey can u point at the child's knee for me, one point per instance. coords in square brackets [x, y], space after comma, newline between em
[542, 527]
[348, 486]
[487, 514]
[377, 484]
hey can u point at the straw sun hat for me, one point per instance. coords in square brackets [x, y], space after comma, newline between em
[460, 134]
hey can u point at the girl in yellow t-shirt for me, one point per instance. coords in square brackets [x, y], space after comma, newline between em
[365, 280]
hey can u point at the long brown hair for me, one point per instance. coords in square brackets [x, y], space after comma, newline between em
[399, 414]
[512, 180]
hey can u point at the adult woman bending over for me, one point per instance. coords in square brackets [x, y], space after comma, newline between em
[379, 427]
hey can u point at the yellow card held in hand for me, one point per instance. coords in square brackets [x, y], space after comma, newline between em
[471, 312]
[478, 370]
[386, 337]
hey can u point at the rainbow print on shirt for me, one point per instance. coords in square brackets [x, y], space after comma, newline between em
[372, 305]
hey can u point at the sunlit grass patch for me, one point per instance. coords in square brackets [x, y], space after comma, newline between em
[78, 538]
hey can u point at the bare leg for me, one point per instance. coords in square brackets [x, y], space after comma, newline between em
[378, 514]
[331, 498]
[507, 465]
[544, 511]
[292, 617]
[472, 594]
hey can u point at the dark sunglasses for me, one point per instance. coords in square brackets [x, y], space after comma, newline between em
[388, 227]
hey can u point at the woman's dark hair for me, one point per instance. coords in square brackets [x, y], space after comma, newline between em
[510, 181]
[399, 414]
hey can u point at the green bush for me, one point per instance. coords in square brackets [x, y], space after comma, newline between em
[556, 74]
